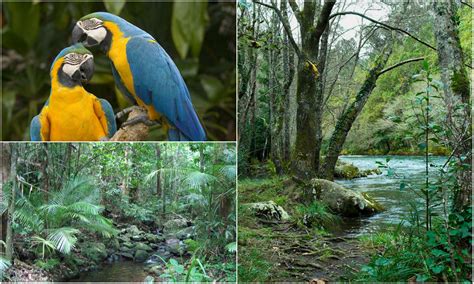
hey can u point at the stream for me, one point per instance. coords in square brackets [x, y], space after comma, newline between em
[121, 271]
[386, 190]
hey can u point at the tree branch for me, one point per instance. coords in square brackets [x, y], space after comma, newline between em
[384, 25]
[323, 19]
[135, 132]
[286, 25]
[400, 64]
[295, 9]
[467, 4]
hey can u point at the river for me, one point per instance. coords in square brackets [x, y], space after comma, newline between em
[385, 189]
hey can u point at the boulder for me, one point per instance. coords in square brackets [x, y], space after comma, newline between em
[175, 224]
[269, 210]
[94, 251]
[125, 254]
[140, 256]
[175, 246]
[186, 233]
[346, 171]
[344, 201]
[142, 246]
[152, 238]
[133, 230]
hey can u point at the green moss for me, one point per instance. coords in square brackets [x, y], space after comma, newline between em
[460, 84]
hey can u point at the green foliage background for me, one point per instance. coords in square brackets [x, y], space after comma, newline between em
[200, 37]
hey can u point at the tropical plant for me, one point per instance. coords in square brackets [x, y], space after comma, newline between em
[55, 225]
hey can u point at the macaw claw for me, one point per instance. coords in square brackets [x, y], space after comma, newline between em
[140, 119]
[121, 114]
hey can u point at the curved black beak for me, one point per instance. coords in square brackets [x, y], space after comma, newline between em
[78, 35]
[87, 70]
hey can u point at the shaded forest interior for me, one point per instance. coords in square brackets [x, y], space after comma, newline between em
[320, 81]
[71, 208]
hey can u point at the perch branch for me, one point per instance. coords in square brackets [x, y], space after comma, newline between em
[135, 132]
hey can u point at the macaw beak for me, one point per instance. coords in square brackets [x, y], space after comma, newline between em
[87, 70]
[78, 34]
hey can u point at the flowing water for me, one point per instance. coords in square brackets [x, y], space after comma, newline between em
[385, 188]
[122, 271]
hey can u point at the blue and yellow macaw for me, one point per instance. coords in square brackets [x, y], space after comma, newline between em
[143, 72]
[71, 113]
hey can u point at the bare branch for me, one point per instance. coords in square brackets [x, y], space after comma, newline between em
[400, 64]
[467, 4]
[286, 25]
[296, 10]
[384, 25]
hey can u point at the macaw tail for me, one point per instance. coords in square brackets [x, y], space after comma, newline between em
[175, 135]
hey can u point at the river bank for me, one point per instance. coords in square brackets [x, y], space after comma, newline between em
[335, 249]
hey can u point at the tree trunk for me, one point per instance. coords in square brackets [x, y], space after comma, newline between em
[456, 95]
[346, 120]
[158, 168]
[307, 148]
[5, 175]
[11, 204]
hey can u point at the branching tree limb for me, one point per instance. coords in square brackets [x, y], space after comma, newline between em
[296, 10]
[400, 64]
[384, 25]
[286, 25]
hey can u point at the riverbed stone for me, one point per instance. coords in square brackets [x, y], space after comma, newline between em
[125, 254]
[142, 246]
[141, 255]
[94, 251]
[186, 233]
[268, 210]
[175, 224]
[344, 201]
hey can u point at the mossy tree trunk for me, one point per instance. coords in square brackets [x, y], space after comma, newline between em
[347, 118]
[288, 60]
[305, 155]
[11, 203]
[456, 95]
[5, 175]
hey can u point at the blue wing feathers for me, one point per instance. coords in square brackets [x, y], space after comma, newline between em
[35, 129]
[157, 82]
[110, 117]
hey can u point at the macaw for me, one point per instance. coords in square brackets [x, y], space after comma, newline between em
[143, 72]
[71, 113]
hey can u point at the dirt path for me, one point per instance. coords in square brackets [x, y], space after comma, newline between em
[300, 255]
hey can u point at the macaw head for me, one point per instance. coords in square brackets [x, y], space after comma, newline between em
[92, 30]
[74, 65]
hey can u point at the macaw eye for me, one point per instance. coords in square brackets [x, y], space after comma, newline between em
[91, 24]
[74, 58]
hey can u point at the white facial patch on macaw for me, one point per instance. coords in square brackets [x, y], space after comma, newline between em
[98, 34]
[69, 69]
[93, 27]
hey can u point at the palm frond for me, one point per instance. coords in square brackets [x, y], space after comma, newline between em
[64, 239]
[229, 171]
[27, 215]
[198, 180]
[4, 264]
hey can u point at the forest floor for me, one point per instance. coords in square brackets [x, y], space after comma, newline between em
[276, 250]
[301, 255]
